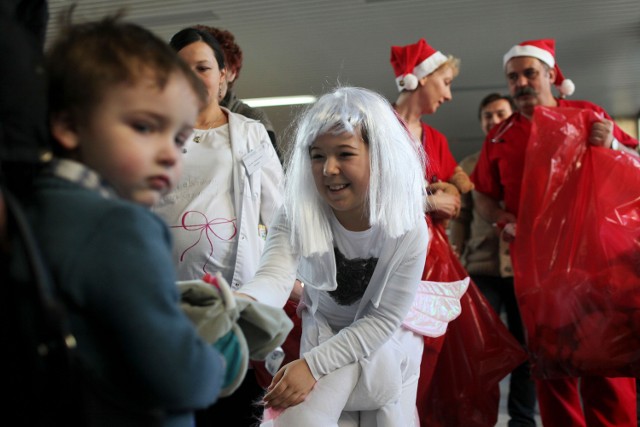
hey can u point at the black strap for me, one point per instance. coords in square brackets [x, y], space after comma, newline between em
[41, 368]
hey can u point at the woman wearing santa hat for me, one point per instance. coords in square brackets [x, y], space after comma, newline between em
[423, 77]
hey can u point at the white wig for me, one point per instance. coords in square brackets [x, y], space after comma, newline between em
[396, 187]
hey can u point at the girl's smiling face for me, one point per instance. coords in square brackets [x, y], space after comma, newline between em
[340, 167]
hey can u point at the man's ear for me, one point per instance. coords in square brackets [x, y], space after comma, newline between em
[552, 75]
[64, 130]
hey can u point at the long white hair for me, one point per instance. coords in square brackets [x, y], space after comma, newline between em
[396, 194]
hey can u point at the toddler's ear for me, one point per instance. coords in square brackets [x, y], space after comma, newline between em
[64, 130]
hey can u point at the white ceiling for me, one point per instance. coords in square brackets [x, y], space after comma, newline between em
[296, 47]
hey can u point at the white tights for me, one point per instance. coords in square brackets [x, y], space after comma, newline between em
[379, 391]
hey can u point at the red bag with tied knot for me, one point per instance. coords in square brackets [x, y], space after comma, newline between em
[577, 252]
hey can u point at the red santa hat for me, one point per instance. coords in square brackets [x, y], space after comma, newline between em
[545, 51]
[414, 61]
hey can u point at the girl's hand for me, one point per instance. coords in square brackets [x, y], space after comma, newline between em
[290, 386]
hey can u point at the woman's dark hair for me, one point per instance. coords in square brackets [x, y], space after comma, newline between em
[190, 35]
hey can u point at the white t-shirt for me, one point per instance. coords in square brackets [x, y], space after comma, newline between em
[200, 210]
[352, 244]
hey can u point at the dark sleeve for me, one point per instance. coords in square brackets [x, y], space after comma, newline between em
[129, 287]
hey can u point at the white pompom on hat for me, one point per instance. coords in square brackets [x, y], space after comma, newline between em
[545, 51]
[414, 61]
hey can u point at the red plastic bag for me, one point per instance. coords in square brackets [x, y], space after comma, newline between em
[577, 252]
[460, 371]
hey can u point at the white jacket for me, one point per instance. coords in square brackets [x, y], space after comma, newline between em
[255, 181]
[258, 193]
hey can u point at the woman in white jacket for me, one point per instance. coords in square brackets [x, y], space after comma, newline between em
[352, 229]
[228, 194]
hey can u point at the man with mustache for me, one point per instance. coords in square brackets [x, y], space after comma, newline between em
[531, 71]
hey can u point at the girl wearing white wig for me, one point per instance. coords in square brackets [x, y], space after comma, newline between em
[352, 229]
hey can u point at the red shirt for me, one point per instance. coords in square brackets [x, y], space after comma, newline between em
[440, 161]
[498, 173]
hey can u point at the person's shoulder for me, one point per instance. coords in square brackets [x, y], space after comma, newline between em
[503, 127]
[433, 131]
[418, 233]
[515, 117]
[257, 114]
[252, 129]
[68, 195]
[469, 161]
[63, 211]
[91, 205]
[584, 105]
[241, 119]
[416, 239]
[236, 105]
[578, 103]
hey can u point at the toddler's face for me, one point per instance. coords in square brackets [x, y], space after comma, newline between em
[134, 138]
[340, 167]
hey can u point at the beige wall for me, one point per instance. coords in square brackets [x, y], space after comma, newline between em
[629, 125]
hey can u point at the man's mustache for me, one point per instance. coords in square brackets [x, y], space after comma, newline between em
[525, 91]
